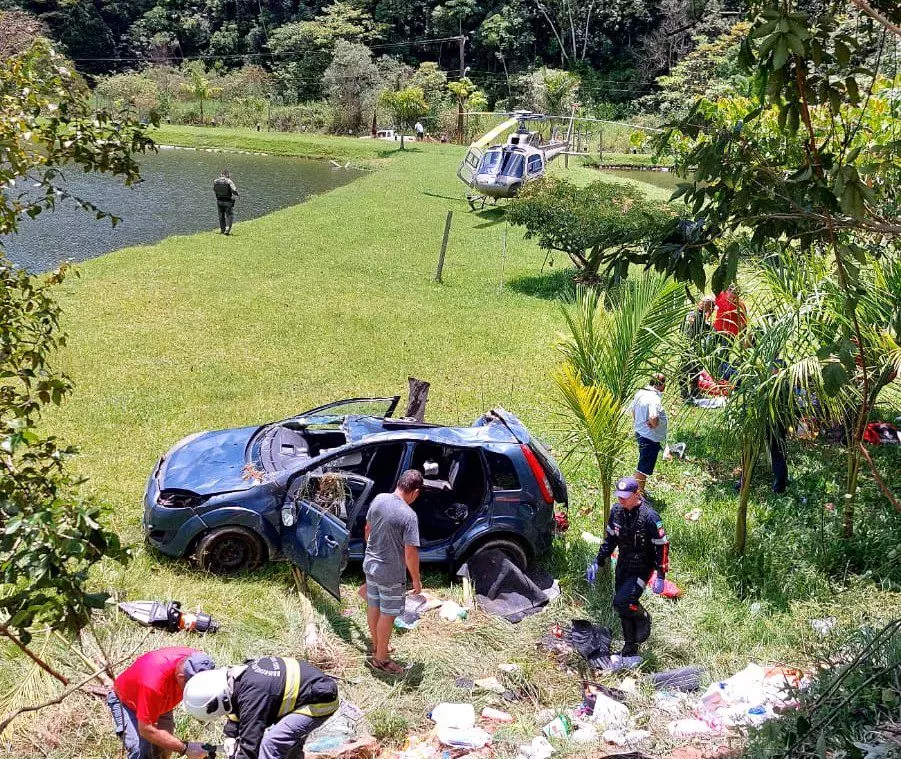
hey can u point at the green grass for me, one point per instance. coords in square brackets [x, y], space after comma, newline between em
[335, 298]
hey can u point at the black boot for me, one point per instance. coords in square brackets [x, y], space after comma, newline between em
[630, 644]
[642, 626]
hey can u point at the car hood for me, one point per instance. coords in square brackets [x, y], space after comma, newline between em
[211, 462]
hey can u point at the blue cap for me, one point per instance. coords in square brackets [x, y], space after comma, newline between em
[625, 487]
[197, 663]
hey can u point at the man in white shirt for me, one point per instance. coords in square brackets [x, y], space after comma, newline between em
[420, 131]
[650, 425]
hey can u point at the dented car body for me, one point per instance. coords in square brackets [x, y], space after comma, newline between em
[300, 488]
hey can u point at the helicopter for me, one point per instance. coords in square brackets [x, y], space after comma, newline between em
[501, 171]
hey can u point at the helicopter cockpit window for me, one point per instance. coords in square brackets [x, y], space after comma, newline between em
[490, 161]
[534, 164]
[513, 165]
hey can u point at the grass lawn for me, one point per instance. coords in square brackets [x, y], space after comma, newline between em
[336, 298]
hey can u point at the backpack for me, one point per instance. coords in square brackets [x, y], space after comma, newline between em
[222, 188]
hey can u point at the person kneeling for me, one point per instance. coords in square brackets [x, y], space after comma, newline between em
[272, 705]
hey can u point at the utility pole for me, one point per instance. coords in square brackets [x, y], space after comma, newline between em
[461, 41]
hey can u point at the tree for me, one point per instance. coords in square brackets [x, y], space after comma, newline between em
[549, 91]
[351, 81]
[507, 33]
[809, 163]
[52, 535]
[18, 30]
[602, 224]
[469, 98]
[135, 91]
[612, 347]
[198, 85]
[406, 106]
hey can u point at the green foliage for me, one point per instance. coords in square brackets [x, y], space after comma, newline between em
[51, 535]
[352, 81]
[602, 224]
[549, 91]
[198, 85]
[406, 106]
[613, 345]
[136, 92]
[387, 726]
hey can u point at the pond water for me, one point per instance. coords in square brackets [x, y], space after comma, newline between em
[665, 179]
[174, 198]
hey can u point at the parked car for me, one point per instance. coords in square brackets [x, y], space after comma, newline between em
[300, 489]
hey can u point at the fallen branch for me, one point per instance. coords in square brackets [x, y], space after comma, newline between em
[68, 692]
[879, 481]
[874, 14]
[4, 630]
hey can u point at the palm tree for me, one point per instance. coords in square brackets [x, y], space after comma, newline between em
[198, 86]
[614, 343]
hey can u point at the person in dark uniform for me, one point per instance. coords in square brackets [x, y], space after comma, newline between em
[226, 192]
[272, 705]
[638, 531]
[697, 330]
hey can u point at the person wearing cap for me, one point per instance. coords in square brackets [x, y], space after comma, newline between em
[272, 704]
[637, 530]
[650, 425]
[144, 696]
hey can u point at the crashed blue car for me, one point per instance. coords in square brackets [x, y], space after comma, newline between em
[299, 489]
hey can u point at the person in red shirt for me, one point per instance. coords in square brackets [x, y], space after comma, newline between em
[731, 315]
[144, 696]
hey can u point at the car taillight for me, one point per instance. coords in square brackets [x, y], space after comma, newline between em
[544, 483]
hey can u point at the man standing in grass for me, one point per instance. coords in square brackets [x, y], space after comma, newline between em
[637, 530]
[226, 192]
[650, 423]
[392, 548]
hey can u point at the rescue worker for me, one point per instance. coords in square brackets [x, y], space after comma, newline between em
[144, 696]
[288, 696]
[638, 531]
[226, 192]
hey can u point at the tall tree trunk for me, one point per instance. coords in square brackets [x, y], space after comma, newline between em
[606, 486]
[748, 460]
[850, 489]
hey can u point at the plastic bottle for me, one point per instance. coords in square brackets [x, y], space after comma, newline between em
[495, 715]
[458, 716]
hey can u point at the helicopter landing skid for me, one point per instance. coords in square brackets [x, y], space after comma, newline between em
[476, 202]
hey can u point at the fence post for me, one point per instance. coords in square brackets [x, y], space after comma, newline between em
[447, 226]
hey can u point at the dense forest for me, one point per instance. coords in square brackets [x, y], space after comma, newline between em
[617, 47]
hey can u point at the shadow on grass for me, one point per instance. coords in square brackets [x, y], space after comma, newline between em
[491, 217]
[557, 284]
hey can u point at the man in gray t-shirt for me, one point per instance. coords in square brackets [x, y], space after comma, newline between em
[392, 548]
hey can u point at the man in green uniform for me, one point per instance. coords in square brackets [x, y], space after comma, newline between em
[272, 705]
[226, 192]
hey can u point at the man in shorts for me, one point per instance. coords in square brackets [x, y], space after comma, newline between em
[392, 548]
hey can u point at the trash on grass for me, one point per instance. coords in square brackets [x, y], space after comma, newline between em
[692, 516]
[509, 669]
[629, 685]
[608, 712]
[454, 737]
[823, 626]
[451, 611]
[168, 616]
[591, 539]
[457, 716]
[340, 735]
[539, 748]
[491, 684]
[688, 728]
[625, 737]
[687, 679]
[559, 727]
[495, 715]
[584, 734]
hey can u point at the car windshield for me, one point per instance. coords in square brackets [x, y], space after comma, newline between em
[512, 166]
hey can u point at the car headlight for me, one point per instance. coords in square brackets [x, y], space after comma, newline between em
[180, 499]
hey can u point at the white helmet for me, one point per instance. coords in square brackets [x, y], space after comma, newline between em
[208, 695]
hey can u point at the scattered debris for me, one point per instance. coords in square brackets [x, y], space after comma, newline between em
[471, 737]
[592, 539]
[584, 734]
[457, 716]
[509, 669]
[505, 590]
[629, 685]
[495, 715]
[559, 727]
[539, 748]
[168, 616]
[625, 737]
[340, 736]
[692, 516]
[687, 679]
[451, 611]
[688, 728]
[676, 449]
[491, 684]
[823, 626]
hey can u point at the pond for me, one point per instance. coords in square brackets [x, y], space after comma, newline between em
[665, 179]
[174, 198]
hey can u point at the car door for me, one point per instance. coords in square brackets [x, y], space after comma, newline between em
[315, 515]
[381, 407]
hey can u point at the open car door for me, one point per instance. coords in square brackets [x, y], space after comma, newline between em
[316, 516]
[380, 407]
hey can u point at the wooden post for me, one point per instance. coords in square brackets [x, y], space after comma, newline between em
[503, 257]
[447, 226]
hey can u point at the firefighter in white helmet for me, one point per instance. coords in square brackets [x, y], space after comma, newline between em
[271, 705]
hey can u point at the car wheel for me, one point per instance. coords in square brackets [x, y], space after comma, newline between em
[227, 550]
[513, 550]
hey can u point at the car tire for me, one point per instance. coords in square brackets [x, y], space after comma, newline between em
[227, 550]
[511, 548]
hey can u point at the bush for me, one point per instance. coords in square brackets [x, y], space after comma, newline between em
[387, 727]
[315, 116]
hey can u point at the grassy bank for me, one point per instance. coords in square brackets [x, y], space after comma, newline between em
[336, 298]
